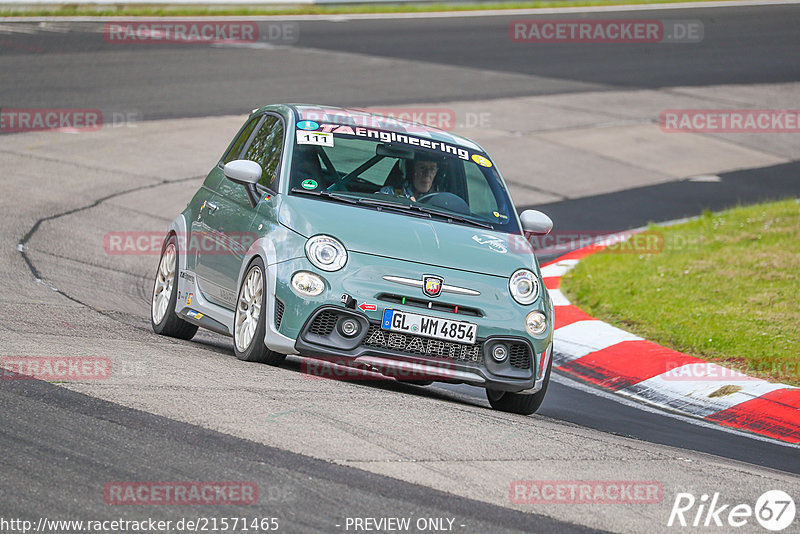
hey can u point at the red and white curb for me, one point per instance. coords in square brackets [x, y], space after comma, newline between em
[594, 351]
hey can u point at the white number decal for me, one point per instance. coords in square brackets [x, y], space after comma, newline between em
[314, 138]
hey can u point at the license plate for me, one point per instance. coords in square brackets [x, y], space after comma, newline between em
[433, 327]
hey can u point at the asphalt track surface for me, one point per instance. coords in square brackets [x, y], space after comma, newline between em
[673, 200]
[55, 476]
[75, 68]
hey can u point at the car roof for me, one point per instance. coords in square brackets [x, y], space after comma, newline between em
[366, 119]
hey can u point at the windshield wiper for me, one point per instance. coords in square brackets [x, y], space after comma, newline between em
[403, 208]
[326, 194]
[425, 211]
[452, 216]
[387, 203]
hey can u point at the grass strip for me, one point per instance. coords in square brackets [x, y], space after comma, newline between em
[724, 288]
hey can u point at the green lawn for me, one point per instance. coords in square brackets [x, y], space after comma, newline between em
[165, 10]
[725, 288]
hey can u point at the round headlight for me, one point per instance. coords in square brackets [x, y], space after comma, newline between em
[524, 286]
[307, 284]
[536, 323]
[326, 253]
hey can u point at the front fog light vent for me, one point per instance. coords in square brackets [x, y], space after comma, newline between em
[350, 327]
[499, 353]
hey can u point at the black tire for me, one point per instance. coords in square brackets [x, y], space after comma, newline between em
[506, 401]
[170, 325]
[256, 350]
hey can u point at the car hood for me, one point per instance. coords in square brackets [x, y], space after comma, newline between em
[428, 241]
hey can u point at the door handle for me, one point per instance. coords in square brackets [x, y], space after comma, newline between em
[211, 207]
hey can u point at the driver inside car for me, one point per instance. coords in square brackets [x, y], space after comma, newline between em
[420, 174]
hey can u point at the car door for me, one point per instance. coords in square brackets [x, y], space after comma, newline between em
[199, 237]
[226, 218]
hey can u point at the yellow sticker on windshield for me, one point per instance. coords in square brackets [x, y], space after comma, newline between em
[480, 160]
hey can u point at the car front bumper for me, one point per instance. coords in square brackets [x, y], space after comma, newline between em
[414, 358]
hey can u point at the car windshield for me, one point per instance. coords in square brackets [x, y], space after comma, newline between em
[417, 175]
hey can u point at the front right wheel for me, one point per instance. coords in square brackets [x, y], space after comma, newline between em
[250, 322]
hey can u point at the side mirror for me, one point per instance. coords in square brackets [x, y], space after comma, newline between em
[246, 173]
[242, 171]
[536, 222]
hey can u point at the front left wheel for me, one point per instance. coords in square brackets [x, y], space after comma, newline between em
[250, 321]
[520, 403]
[163, 318]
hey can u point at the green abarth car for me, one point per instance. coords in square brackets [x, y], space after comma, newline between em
[366, 241]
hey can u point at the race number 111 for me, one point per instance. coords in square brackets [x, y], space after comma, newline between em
[314, 138]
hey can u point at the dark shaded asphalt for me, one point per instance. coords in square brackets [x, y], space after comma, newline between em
[637, 207]
[61, 448]
[76, 67]
[586, 409]
[740, 45]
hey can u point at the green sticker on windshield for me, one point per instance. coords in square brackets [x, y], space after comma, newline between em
[309, 184]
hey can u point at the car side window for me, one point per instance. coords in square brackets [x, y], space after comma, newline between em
[266, 148]
[241, 141]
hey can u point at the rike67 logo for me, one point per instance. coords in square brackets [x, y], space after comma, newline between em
[774, 510]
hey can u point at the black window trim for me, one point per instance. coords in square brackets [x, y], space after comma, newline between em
[264, 188]
[260, 118]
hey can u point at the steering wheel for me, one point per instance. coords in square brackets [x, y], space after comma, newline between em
[446, 200]
[363, 182]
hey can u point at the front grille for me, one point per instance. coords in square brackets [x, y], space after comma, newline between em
[278, 313]
[422, 346]
[323, 324]
[519, 356]
[429, 304]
